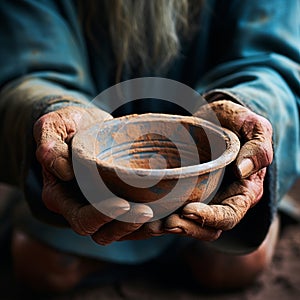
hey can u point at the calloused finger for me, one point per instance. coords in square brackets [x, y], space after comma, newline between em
[83, 218]
[177, 225]
[230, 206]
[115, 230]
[253, 156]
[223, 217]
[257, 151]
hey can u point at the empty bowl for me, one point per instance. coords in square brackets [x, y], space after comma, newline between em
[159, 159]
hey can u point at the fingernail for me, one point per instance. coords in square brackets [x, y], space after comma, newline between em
[62, 168]
[143, 218]
[175, 230]
[245, 167]
[191, 216]
[119, 210]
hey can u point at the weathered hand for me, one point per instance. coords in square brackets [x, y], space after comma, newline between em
[53, 133]
[242, 186]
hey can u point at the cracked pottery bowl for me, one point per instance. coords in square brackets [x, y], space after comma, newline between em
[159, 159]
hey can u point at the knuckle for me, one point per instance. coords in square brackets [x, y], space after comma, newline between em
[265, 150]
[78, 224]
[269, 154]
[255, 189]
[101, 239]
[42, 154]
[42, 122]
[267, 124]
[49, 202]
[39, 123]
[228, 221]
[233, 214]
[228, 225]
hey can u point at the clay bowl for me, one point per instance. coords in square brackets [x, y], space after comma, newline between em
[163, 160]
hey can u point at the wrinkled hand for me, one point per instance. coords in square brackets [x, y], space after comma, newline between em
[242, 186]
[53, 133]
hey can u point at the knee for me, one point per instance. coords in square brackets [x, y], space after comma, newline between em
[220, 271]
[40, 268]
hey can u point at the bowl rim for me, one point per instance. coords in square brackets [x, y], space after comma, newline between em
[231, 141]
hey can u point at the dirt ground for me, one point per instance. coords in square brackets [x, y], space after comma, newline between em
[280, 281]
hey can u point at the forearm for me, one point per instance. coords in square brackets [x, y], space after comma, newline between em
[22, 102]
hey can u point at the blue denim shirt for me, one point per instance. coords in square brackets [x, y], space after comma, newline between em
[247, 51]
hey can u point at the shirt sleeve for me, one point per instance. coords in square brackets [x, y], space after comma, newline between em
[43, 64]
[256, 55]
[43, 39]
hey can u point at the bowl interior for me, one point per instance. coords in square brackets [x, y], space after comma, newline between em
[164, 160]
[159, 142]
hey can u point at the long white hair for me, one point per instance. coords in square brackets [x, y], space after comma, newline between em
[144, 34]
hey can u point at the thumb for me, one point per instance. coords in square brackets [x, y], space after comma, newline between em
[254, 155]
[254, 131]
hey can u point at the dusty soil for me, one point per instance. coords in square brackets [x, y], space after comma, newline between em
[280, 281]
